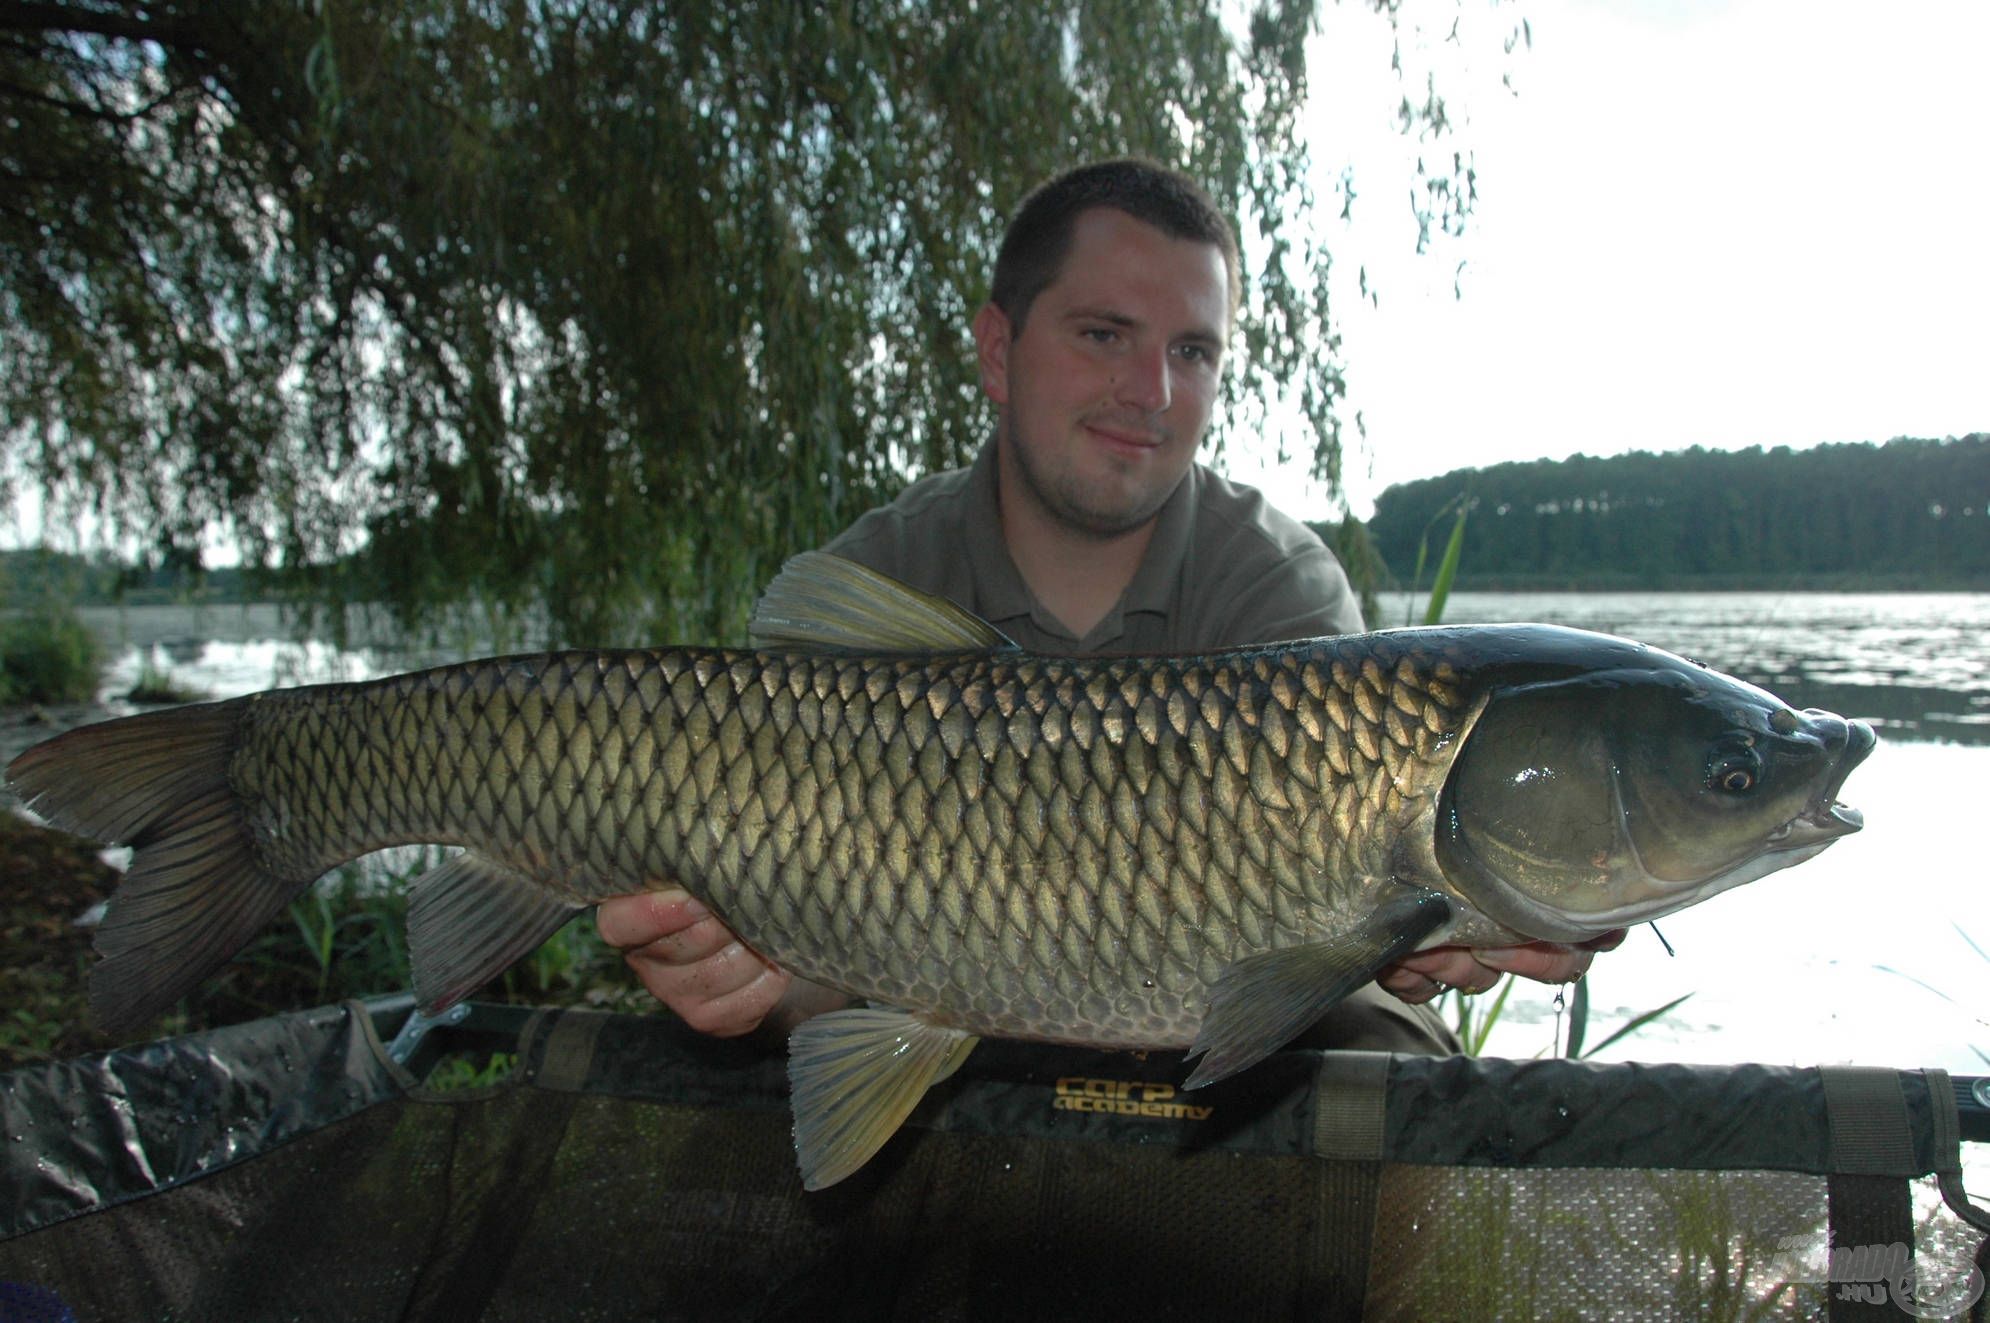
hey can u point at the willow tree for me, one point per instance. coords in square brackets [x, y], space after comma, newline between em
[587, 311]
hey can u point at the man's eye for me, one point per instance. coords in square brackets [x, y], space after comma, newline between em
[1197, 353]
[1102, 335]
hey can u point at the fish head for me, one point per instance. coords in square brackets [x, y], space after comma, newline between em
[1590, 802]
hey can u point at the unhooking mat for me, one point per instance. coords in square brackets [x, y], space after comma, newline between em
[626, 1169]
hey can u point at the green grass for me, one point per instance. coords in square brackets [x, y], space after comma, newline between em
[346, 937]
[462, 1070]
[156, 686]
[1447, 568]
[48, 655]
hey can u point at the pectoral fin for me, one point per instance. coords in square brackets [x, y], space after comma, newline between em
[856, 1075]
[470, 919]
[1262, 1001]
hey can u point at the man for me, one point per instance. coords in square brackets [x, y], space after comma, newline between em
[1084, 527]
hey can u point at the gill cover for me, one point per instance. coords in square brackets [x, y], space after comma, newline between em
[1584, 804]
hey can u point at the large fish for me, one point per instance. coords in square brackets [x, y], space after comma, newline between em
[888, 797]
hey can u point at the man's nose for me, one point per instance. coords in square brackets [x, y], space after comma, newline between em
[1144, 382]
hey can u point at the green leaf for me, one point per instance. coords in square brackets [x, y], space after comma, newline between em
[1473, 1020]
[1483, 1030]
[1578, 1009]
[1447, 570]
[1638, 1022]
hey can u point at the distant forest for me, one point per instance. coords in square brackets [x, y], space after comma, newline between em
[34, 575]
[1909, 514]
[1905, 515]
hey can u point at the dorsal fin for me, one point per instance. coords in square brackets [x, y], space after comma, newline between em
[824, 603]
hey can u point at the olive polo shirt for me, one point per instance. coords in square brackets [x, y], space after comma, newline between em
[1224, 568]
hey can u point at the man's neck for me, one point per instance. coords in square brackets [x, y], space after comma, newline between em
[1076, 576]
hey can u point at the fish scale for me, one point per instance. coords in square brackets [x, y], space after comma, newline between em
[1058, 810]
[1143, 852]
[1089, 850]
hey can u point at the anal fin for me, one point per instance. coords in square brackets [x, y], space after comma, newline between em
[470, 919]
[1263, 1001]
[855, 1076]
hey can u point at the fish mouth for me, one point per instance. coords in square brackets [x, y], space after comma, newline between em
[1825, 818]
[1819, 825]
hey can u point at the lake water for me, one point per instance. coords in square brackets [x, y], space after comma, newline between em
[1874, 953]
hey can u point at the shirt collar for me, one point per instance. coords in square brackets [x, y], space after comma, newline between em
[1003, 594]
[999, 589]
[1154, 584]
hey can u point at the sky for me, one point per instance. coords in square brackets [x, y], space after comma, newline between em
[1700, 222]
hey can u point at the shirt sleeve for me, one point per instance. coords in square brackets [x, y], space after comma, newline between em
[1304, 595]
[875, 540]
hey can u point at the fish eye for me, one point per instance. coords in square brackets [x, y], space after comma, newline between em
[1734, 768]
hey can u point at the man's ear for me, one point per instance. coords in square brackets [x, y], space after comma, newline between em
[991, 351]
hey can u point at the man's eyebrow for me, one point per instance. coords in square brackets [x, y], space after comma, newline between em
[1098, 314]
[1201, 335]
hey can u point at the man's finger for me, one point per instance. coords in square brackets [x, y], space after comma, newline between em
[1408, 986]
[638, 920]
[1452, 967]
[739, 1009]
[1544, 962]
[700, 942]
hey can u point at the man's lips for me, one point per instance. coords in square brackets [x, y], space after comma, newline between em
[1131, 439]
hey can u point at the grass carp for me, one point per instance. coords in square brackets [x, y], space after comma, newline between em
[884, 795]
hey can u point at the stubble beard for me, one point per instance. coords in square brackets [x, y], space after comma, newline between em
[1075, 504]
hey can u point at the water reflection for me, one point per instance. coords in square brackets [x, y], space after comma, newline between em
[184, 651]
[1917, 665]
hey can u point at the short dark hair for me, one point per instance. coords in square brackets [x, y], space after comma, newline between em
[1039, 236]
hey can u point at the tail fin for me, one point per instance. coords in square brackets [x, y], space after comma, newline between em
[196, 890]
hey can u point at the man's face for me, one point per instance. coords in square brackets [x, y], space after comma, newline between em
[1107, 392]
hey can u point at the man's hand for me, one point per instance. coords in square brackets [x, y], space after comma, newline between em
[1427, 974]
[696, 966]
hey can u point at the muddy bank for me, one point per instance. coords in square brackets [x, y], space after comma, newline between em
[48, 879]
